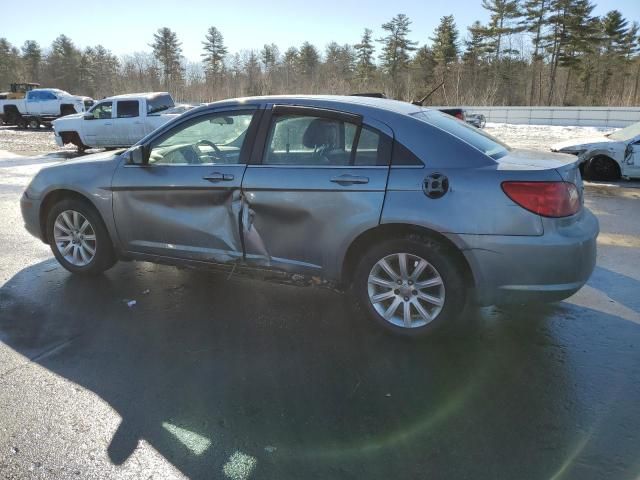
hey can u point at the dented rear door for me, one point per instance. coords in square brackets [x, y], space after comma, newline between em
[187, 202]
[317, 178]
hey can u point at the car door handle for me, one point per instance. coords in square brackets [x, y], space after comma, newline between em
[350, 179]
[218, 177]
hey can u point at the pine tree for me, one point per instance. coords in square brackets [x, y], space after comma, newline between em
[63, 63]
[269, 55]
[503, 14]
[9, 56]
[535, 18]
[396, 48]
[445, 41]
[308, 59]
[32, 60]
[253, 73]
[581, 32]
[167, 51]
[423, 66]
[290, 64]
[214, 53]
[556, 39]
[364, 53]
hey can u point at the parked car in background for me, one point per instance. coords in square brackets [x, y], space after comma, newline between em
[410, 210]
[118, 121]
[478, 120]
[457, 112]
[607, 157]
[41, 106]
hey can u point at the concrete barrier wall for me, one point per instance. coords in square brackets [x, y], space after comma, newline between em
[566, 116]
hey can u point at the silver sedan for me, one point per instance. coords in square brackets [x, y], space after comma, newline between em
[411, 211]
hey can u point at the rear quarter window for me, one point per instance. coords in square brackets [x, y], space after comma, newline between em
[475, 137]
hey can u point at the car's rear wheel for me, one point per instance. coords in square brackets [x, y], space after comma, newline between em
[78, 238]
[409, 286]
[35, 124]
[602, 168]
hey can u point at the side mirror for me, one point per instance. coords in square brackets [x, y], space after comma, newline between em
[136, 156]
[88, 116]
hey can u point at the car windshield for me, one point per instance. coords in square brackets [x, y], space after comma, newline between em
[626, 133]
[475, 137]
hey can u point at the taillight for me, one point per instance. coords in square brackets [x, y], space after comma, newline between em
[549, 199]
[459, 116]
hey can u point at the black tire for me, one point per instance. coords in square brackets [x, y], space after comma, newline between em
[439, 257]
[35, 124]
[104, 257]
[602, 168]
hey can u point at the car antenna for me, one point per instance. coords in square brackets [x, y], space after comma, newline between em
[420, 102]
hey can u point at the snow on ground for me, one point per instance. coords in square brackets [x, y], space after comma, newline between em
[541, 137]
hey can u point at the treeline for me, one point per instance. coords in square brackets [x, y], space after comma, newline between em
[531, 52]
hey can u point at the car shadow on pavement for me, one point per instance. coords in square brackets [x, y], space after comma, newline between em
[221, 373]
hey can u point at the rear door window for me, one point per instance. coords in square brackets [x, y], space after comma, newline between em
[128, 108]
[321, 141]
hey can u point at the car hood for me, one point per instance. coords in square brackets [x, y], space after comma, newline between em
[87, 175]
[584, 144]
[72, 116]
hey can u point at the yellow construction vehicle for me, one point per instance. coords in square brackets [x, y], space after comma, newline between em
[18, 91]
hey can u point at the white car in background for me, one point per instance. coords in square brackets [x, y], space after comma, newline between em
[118, 121]
[607, 157]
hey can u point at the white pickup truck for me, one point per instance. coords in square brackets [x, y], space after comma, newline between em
[118, 121]
[41, 106]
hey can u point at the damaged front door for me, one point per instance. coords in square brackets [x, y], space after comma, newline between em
[319, 181]
[186, 201]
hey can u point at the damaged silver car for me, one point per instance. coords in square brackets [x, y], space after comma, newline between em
[607, 157]
[410, 210]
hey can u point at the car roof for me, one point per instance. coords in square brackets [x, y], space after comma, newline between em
[146, 95]
[338, 102]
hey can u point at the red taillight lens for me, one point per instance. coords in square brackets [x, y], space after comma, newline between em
[459, 116]
[549, 199]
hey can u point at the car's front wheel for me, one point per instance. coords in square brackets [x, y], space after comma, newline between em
[410, 286]
[78, 238]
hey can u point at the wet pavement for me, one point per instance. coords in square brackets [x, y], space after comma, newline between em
[208, 376]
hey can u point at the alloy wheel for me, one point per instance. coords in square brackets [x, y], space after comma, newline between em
[75, 238]
[406, 290]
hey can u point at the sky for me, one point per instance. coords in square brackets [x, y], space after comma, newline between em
[128, 26]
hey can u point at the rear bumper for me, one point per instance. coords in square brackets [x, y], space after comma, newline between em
[525, 269]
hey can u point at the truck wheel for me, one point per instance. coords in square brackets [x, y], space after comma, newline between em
[409, 286]
[35, 124]
[21, 123]
[78, 237]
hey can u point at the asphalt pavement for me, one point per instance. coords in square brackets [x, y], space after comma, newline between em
[211, 376]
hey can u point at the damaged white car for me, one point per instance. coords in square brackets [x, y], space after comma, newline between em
[608, 157]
